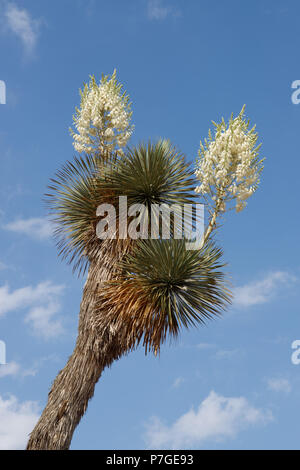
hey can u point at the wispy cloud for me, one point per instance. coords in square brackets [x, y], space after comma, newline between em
[177, 382]
[16, 370]
[19, 22]
[12, 368]
[279, 385]
[42, 320]
[227, 353]
[262, 291]
[203, 346]
[2, 266]
[38, 363]
[42, 302]
[216, 418]
[37, 228]
[88, 6]
[17, 420]
[157, 10]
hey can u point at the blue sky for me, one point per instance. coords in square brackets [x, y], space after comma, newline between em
[231, 384]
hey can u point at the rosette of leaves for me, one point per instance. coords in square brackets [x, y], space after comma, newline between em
[163, 288]
[147, 174]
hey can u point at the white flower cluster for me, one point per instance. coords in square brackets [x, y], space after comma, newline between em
[103, 120]
[228, 166]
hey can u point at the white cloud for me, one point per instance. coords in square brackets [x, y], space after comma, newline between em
[88, 6]
[157, 11]
[227, 353]
[2, 266]
[216, 418]
[16, 370]
[11, 368]
[43, 304]
[38, 363]
[19, 22]
[262, 291]
[36, 227]
[31, 372]
[17, 420]
[177, 382]
[279, 385]
[205, 346]
[42, 322]
[27, 296]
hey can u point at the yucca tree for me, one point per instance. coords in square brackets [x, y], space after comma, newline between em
[136, 290]
[140, 288]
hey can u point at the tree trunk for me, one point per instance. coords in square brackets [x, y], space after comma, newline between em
[74, 385]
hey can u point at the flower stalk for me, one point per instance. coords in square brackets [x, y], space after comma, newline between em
[228, 168]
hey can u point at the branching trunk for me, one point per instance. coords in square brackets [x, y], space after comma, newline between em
[74, 385]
